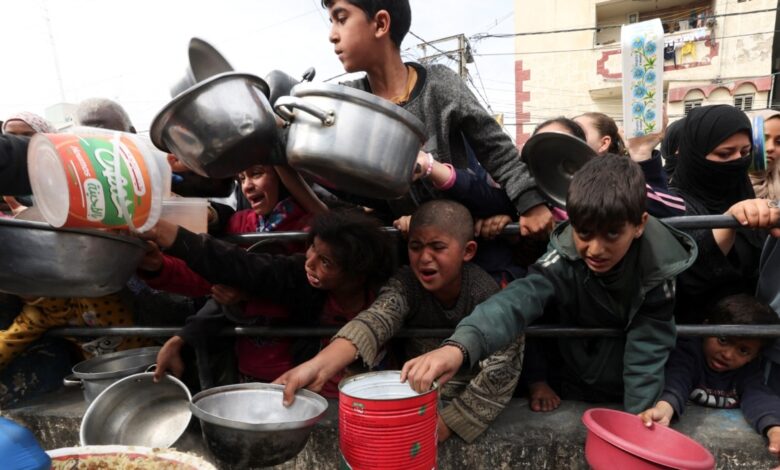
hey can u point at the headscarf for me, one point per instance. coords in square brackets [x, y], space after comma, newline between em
[37, 123]
[670, 145]
[715, 185]
[766, 183]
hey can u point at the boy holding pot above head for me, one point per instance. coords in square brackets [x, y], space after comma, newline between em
[723, 371]
[610, 266]
[436, 290]
[367, 35]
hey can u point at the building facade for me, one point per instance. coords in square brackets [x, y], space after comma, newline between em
[568, 55]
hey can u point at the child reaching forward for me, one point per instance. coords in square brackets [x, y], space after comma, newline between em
[611, 266]
[436, 290]
[723, 372]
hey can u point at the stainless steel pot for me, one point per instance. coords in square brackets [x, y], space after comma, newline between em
[280, 84]
[351, 140]
[98, 373]
[38, 260]
[246, 425]
[137, 411]
[204, 61]
[220, 126]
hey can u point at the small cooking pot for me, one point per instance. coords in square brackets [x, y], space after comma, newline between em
[137, 411]
[351, 140]
[38, 260]
[204, 61]
[281, 83]
[219, 127]
[98, 373]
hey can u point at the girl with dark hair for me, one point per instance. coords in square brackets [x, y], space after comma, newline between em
[349, 257]
[712, 178]
[601, 133]
[561, 124]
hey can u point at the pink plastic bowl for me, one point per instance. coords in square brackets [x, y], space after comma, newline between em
[617, 439]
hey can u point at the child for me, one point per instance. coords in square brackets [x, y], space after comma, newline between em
[723, 372]
[611, 266]
[273, 208]
[348, 259]
[366, 35]
[436, 290]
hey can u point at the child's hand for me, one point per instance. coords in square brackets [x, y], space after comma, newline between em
[641, 148]
[440, 364]
[15, 206]
[774, 440]
[307, 375]
[662, 414]
[443, 431]
[491, 227]
[402, 224]
[153, 258]
[169, 359]
[227, 295]
[536, 222]
[163, 234]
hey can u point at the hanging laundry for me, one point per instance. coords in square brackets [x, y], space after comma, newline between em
[689, 48]
[669, 53]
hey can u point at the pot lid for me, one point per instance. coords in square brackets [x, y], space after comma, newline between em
[553, 158]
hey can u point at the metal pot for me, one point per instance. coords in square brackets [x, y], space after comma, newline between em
[98, 373]
[38, 260]
[220, 126]
[281, 84]
[246, 425]
[137, 411]
[204, 62]
[351, 140]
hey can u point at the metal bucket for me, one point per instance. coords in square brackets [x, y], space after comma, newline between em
[385, 424]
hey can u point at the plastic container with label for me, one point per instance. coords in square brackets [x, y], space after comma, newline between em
[188, 212]
[98, 178]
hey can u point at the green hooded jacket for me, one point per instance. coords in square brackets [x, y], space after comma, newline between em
[561, 282]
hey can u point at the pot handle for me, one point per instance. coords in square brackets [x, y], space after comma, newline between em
[285, 104]
[71, 381]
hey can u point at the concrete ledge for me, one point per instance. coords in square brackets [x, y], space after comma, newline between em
[518, 439]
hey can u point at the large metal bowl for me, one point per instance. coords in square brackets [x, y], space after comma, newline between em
[38, 260]
[351, 140]
[204, 61]
[137, 411]
[98, 373]
[219, 127]
[246, 425]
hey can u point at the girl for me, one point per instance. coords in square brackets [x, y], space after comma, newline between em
[349, 257]
[766, 184]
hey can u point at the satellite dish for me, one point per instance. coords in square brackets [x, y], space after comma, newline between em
[553, 158]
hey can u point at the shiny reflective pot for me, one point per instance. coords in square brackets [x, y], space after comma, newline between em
[137, 411]
[204, 62]
[98, 373]
[38, 260]
[351, 140]
[219, 127]
[246, 425]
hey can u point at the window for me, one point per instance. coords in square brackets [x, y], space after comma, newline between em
[744, 102]
[632, 17]
[690, 104]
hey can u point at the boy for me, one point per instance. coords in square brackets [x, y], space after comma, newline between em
[610, 266]
[436, 290]
[367, 36]
[723, 372]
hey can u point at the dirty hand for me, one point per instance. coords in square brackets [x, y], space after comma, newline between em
[402, 224]
[661, 413]
[163, 234]
[309, 375]
[443, 431]
[440, 364]
[756, 213]
[491, 227]
[153, 258]
[536, 222]
[424, 160]
[774, 440]
[227, 295]
[169, 358]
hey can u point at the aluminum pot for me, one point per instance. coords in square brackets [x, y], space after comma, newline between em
[220, 126]
[351, 140]
[246, 425]
[98, 373]
[280, 84]
[204, 61]
[137, 411]
[38, 260]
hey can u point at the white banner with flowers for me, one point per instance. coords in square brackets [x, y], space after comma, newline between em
[643, 86]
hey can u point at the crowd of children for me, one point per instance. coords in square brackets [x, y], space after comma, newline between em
[610, 261]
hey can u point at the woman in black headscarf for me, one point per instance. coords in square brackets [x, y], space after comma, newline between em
[670, 147]
[712, 177]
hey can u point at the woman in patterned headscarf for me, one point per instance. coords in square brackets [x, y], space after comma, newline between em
[27, 124]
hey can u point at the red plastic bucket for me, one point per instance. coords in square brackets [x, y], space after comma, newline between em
[617, 439]
[384, 424]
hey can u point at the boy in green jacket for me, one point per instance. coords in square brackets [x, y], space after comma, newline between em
[611, 266]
